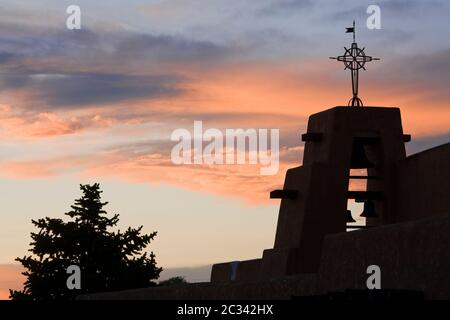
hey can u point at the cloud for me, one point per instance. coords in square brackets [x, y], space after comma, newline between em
[284, 7]
[235, 181]
[112, 89]
[50, 50]
[84, 89]
[6, 57]
[407, 7]
[149, 162]
[45, 124]
[170, 48]
[424, 75]
[27, 41]
[64, 69]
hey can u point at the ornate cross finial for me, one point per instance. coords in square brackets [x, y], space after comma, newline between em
[354, 59]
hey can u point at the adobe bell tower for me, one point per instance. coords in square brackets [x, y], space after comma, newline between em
[315, 195]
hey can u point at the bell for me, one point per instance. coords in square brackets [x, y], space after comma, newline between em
[349, 217]
[359, 158]
[369, 210]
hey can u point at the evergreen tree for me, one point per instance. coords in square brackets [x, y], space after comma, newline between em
[108, 260]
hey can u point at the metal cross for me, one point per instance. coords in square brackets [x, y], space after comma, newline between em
[354, 59]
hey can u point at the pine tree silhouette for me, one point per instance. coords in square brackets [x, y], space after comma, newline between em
[108, 260]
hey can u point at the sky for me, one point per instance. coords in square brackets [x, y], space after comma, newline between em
[99, 105]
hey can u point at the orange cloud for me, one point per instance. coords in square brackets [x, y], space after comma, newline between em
[232, 96]
[46, 124]
[243, 180]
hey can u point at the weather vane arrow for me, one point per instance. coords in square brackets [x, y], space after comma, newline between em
[354, 59]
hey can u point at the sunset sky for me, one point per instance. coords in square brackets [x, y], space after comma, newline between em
[99, 105]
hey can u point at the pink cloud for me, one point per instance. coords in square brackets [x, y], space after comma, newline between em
[46, 124]
[243, 181]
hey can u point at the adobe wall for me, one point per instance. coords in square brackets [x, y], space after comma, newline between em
[423, 184]
[280, 289]
[412, 256]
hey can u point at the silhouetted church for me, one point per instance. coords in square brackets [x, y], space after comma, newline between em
[406, 206]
